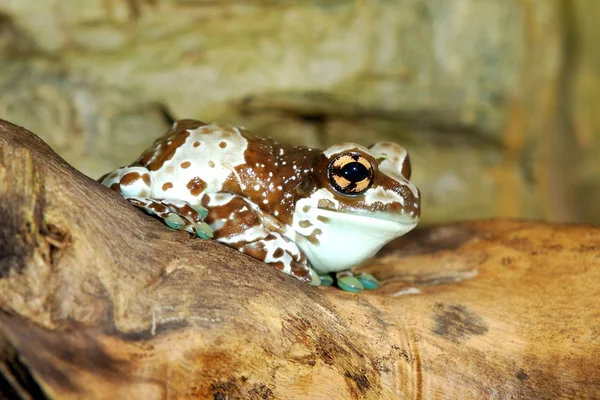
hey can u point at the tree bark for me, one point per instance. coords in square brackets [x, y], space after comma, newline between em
[102, 301]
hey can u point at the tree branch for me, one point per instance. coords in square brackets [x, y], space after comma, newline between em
[101, 301]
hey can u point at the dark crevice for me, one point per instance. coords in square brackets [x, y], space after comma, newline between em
[323, 111]
[16, 380]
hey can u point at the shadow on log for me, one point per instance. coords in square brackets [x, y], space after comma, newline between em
[99, 300]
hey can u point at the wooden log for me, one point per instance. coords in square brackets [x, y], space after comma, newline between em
[101, 301]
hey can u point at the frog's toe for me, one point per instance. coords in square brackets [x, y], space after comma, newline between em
[349, 283]
[203, 211]
[203, 230]
[326, 280]
[368, 281]
[315, 279]
[174, 221]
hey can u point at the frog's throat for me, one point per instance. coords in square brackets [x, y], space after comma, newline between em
[336, 241]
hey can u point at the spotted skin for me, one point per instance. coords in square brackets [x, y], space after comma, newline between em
[304, 211]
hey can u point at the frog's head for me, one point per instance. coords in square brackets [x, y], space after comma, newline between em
[355, 200]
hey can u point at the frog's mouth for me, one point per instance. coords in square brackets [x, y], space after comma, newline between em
[398, 219]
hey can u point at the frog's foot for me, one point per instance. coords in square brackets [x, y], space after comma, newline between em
[368, 281]
[177, 214]
[315, 278]
[347, 281]
[326, 279]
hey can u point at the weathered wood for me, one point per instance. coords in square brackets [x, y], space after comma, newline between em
[101, 301]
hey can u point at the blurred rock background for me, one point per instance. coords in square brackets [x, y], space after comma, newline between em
[497, 101]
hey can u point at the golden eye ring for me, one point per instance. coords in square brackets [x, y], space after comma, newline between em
[350, 174]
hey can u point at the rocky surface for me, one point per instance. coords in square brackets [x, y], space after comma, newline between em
[496, 100]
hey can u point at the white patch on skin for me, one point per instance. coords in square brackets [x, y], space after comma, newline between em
[214, 177]
[136, 187]
[395, 156]
[341, 147]
[321, 194]
[218, 224]
[249, 235]
[383, 196]
[290, 252]
[219, 199]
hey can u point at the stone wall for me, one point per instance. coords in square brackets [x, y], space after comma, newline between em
[496, 100]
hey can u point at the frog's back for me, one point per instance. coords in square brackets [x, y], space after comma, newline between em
[192, 159]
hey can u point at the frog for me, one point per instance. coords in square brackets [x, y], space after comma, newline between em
[312, 214]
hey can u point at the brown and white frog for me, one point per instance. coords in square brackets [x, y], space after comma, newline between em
[307, 212]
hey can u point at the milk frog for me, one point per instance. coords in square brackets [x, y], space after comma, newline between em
[307, 212]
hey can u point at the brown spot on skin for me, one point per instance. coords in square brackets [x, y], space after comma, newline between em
[196, 143]
[255, 250]
[167, 186]
[243, 221]
[278, 169]
[326, 204]
[222, 145]
[323, 219]
[278, 253]
[143, 160]
[314, 236]
[196, 186]
[211, 164]
[187, 210]
[300, 271]
[272, 223]
[116, 187]
[306, 209]
[165, 151]
[304, 224]
[279, 265]
[146, 179]
[158, 208]
[130, 178]
[144, 193]
[186, 164]
[406, 168]
[114, 175]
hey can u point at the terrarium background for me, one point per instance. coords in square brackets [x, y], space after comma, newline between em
[497, 101]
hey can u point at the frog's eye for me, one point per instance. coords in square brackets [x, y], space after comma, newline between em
[350, 174]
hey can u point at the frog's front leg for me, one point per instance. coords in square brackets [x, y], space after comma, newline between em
[135, 184]
[238, 223]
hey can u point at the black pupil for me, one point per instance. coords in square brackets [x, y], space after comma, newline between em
[354, 172]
